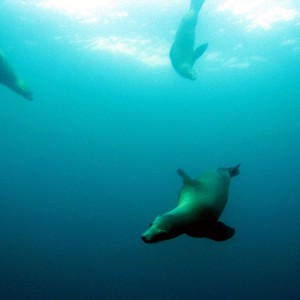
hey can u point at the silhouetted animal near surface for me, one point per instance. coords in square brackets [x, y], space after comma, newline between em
[9, 78]
[183, 54]
[200, 204]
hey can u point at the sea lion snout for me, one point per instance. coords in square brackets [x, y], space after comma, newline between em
[146, 238]
[149, 236]
[155, 234]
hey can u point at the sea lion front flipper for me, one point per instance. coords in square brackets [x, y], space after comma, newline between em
[216, 231]
[199, 51]
[186, 178]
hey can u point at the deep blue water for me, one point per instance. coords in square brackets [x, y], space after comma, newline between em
[91, 161]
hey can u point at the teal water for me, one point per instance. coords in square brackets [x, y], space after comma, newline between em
[88, 164]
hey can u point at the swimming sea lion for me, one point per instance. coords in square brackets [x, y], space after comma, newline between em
[9, 78]
[200, 204]
[182, 54]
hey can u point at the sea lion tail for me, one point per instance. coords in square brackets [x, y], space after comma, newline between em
[196, 4]
[234, 171]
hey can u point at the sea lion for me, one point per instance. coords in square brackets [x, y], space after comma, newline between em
[182, 54]
[200, 204]
[9, 78]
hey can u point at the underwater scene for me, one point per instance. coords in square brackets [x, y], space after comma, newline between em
[122, 125]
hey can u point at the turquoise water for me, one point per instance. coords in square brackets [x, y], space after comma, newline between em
[91, 161]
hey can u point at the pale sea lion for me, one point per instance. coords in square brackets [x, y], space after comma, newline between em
[9, 78]
[183, 54]
[200, 204]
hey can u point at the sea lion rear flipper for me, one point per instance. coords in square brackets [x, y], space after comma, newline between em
[233, 171]
[219, 232]
[199, 51]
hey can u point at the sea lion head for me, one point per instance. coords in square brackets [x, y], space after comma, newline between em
[21, 88]
[186, 71]
[159, 230]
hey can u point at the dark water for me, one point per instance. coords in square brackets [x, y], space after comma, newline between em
[91, 161]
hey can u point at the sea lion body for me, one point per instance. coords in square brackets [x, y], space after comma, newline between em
[9, 78]
[200, 204]
[183, 54]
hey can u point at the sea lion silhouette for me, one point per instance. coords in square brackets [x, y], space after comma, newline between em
[183, 55]
[200, 204]
[9, 78]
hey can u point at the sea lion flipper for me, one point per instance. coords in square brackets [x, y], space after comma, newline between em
[185, 177]
[233, 171]
[199, 51]
[219, 232]
[216, 231]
